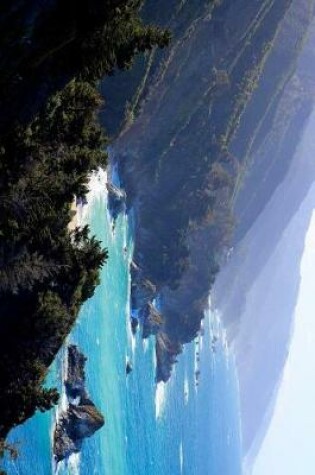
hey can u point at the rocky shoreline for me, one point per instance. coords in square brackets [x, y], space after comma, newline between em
[143, 304]
[81, 419]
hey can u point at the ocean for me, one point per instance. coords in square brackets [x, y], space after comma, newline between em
[182, 427]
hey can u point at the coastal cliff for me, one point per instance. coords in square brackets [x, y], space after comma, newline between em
[193, 139]
[214, 110]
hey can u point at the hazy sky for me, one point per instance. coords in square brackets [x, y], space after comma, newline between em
[289, 447]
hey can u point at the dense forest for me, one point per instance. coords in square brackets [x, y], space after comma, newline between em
[52, 56]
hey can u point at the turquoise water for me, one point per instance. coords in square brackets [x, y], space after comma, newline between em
[171, 429]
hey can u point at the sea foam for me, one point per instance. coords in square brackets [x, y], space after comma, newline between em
[181, 457]
[186, 390]
[74, 464]
[160, 399]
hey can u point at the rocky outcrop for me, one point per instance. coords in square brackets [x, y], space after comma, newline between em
[76, 424]
[134, 323]
[143, 291]
[116, 200]
[129, 367]
[152, 320]
[81, 419]
[143, 294]
[166, 354]
[75, 382]
[178, 161]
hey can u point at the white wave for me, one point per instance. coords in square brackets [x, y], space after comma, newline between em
[62, 407]
[54, 465]
[74, 464]
[63, 400]
[186, 390]
[97, 184]
[133, 345]
[125, 239]
[181, 457]
[69, 467]
[131, 337]
[145, 344]
[160, 399]
[200, 343]
[57, 468]
[96, 190]
[154, 362]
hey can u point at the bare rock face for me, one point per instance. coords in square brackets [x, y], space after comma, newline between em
[152, 320]
[142, 293]
[166, 355]
[81, 419]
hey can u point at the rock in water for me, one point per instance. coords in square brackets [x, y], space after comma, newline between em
[81, 419]
[75, 425]
[84, 419]
[129, 367]
[75, 382]
[134, 322]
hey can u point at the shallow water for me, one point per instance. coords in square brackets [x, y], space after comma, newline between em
[150, 429]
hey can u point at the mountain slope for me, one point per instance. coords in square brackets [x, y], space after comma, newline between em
[177, 159]
[256, 291]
